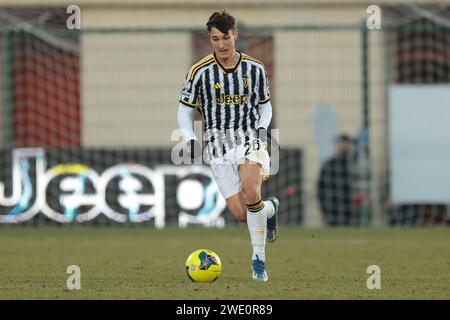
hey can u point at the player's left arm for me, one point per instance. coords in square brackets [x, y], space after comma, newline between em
[265, 116]
[265, 109]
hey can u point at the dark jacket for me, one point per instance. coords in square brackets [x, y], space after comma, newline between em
[335, 191]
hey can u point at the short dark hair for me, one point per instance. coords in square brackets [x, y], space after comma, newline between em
[222, 21]
[344, 138]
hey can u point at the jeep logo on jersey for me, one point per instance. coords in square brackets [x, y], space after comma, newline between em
[232, 99]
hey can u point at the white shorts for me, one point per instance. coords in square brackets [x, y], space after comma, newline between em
[226, 170]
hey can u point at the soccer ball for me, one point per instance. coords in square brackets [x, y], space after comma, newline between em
[203, 265]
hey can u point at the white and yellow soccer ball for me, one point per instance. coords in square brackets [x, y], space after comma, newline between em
[203, 265]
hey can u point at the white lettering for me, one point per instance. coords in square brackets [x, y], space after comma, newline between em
[374, 20]
[374, 281]
[74, 20]
[74, 280]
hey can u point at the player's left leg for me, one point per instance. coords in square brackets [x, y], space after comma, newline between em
[261, 156]
[257, 212]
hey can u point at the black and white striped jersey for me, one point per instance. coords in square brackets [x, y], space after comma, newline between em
[228, 99]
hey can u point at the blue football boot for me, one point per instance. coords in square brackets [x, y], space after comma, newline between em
[259, 270]
[272, 223]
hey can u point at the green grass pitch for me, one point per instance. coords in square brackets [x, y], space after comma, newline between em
[145, 263]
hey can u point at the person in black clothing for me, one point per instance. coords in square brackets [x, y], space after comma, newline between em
[334, 189]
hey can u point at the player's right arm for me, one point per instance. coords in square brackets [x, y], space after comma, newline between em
[186, 108]
[189, 101]
[186, 124]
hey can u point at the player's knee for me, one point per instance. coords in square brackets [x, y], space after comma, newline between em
[251, 193]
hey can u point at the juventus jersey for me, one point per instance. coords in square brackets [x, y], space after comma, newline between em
[228, 99]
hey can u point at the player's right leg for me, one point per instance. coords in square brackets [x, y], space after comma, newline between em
[227, 180]
[257, 212]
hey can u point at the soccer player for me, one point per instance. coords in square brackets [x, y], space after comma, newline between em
[231, 91]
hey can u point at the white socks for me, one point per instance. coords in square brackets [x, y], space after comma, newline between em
[257, 215]
[268, 205]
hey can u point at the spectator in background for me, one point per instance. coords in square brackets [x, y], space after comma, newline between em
[334, 189]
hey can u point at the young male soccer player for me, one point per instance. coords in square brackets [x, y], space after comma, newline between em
[231, 91]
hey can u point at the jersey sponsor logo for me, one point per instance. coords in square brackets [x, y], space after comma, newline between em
[217, 85]
[231, 99]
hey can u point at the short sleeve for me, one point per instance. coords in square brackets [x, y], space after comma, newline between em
[189, 94]
[264, 91]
